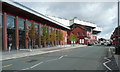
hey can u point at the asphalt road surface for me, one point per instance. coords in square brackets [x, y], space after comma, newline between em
[83, 58]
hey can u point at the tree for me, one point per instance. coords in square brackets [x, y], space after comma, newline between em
[73, 38]
[32, 34]
[44, 35]
[60, 36]
[53, 37]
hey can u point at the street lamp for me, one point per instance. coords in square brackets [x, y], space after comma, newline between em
[118, 48]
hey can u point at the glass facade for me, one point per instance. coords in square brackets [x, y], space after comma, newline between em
[50, 29]
[21, 24]
[11, 32]
[37, 34]
[21, 27]
[29, 24]
[41, 29]
[10, 22]
[29, 41]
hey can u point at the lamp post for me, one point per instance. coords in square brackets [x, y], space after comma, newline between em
[118, 48]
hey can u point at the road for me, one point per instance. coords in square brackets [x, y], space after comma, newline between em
[83, 58]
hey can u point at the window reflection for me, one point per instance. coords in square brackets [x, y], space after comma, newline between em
[10, 21]
[21, 23]
[21, 27]
[41, 29]
[11, 32]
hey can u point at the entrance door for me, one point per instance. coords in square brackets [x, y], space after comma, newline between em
[11, 39]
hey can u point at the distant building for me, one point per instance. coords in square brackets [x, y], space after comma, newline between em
[115, 36]
[85, 31]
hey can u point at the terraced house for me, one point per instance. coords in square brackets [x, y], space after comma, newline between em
[17, 21]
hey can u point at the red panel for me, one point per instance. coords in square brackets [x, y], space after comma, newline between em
[26, 34]
[5, 32]
[17, 33]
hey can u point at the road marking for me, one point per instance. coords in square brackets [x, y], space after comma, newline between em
[36, 65]
[7, 65]
[26, 69]
[62, 56]
[106, 63]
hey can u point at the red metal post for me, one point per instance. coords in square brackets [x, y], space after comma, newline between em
[5, 32]
[26, 34]
[17, 33]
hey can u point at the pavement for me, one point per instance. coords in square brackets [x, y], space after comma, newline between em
[31, 52]
[117, 58]
[114, 63]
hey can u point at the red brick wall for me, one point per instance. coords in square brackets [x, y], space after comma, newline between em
[82, 35]
[65, 37]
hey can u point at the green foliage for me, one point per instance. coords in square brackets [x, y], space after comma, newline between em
[73, 37]
[53, 35]
[32, 32]
[44, 34]
[60, 35]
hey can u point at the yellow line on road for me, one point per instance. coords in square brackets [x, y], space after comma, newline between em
[7, 65]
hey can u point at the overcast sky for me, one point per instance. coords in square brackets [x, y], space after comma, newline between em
[103, 14]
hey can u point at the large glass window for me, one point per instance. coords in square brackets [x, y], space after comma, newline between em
[10, 21]
[29, 24]
[47, 29]
[41, 29]
[11, 32]
[36, 27]
[21, 26]
[21, 23]
[37, 34]
[50, 29]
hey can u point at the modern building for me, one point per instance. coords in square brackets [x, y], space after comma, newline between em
[16, 22]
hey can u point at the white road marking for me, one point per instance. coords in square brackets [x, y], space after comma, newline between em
[26, 69]
[106, 63]
[62, 56]
[36, 65]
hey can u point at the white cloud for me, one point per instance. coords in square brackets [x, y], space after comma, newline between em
[103, 14]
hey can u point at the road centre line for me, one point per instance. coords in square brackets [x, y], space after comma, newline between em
[36, 65]
[60, 57]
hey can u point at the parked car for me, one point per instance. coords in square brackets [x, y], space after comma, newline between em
[90, 44]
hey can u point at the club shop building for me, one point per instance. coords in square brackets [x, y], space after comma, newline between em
[16, 20]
